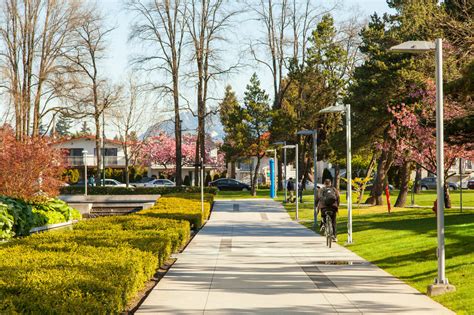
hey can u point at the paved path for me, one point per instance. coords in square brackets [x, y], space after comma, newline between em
[250, 258]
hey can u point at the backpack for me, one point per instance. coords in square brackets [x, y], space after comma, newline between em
[290, 186]
[328, 196]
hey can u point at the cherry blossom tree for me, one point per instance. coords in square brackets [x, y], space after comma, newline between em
[412, 133]
[160, 150]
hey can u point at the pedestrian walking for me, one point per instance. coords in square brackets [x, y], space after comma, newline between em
[290, 186]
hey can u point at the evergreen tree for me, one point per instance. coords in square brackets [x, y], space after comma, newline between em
[63, 126]
[256, 119]
[231, 119]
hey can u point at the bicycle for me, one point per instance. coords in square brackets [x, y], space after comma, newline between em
[328, 228]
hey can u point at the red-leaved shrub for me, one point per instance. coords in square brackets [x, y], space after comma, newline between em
[30, 170]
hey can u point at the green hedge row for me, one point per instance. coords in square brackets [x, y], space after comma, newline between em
[17, 217]
[98, 267]
[99, 190]
[186, 207]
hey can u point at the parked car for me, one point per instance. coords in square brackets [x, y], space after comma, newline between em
[369, 186]
[143, 181]
[430, 183]
[160, 183]
[113, 183]
[229, 184]
[470, 184]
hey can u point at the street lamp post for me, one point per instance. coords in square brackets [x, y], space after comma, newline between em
[347, 110]
[313, 133]
[441, 284]
[283, 143]
[84, 155]
[296, 186]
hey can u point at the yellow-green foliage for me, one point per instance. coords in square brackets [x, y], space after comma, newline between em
[99, 266]
[69, 278]
[181, 207]
[96, 268]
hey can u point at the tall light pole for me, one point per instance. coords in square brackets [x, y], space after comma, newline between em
[296, 186]
[313, 133]
[274, 176]
[347, 110]
[283, 143]
[441, 284]
[84, 156]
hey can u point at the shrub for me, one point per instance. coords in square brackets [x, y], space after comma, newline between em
[27, 215]
[99, 190]
[185, 207]
[69, 278]
[96, 268]
[6, 222]
[31, 169]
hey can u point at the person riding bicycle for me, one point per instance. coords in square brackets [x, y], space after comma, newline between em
[328, 200]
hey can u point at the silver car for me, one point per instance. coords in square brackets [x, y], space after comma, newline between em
[160, 183]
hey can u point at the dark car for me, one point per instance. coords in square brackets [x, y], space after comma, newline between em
[470, 184]
[430, 183]
[229, 184]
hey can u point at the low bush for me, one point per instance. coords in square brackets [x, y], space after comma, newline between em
[27, 215]
[6, 222]
[66, 277]
[99, 190]
[99, 266]
[181, 207]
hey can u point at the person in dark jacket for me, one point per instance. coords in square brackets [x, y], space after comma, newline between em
[328, 199]
[290, 186]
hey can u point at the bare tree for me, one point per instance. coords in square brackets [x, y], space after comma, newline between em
[160, 27]
[33, 34]
[90, 91]
[287, 27]
[129, 120]
[207, 21]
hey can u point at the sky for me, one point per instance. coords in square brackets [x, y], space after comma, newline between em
[117, 65]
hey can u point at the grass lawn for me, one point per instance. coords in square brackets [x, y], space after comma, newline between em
[262, 193]
[404, 244]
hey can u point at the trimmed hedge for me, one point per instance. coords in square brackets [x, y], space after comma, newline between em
[99, 190]
[187, 207]
[99, 266]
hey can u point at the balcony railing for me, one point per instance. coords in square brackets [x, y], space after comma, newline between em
[110, 161]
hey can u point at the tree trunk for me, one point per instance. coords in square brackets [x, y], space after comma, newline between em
[384, 164]
[255, 177]
[417, 179]
[370, 170]
[98, 148]
[447, 196]
[337, 177]
[405, 171]
[232, 169]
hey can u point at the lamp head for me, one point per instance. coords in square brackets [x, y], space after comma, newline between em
[414, 46]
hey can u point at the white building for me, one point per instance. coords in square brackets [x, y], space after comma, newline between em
[114, 156]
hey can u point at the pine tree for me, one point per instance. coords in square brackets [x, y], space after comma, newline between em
[256, 119]
[63, 126]
[231, 119]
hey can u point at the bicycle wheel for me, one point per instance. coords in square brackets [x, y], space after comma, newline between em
[329, 231]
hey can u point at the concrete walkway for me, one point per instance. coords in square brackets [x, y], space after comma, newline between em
[250, 258]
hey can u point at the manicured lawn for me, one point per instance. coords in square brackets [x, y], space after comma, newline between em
[262, 193]
[404, 244]
[424, 198]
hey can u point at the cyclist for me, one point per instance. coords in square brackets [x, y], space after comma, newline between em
[328, 199]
